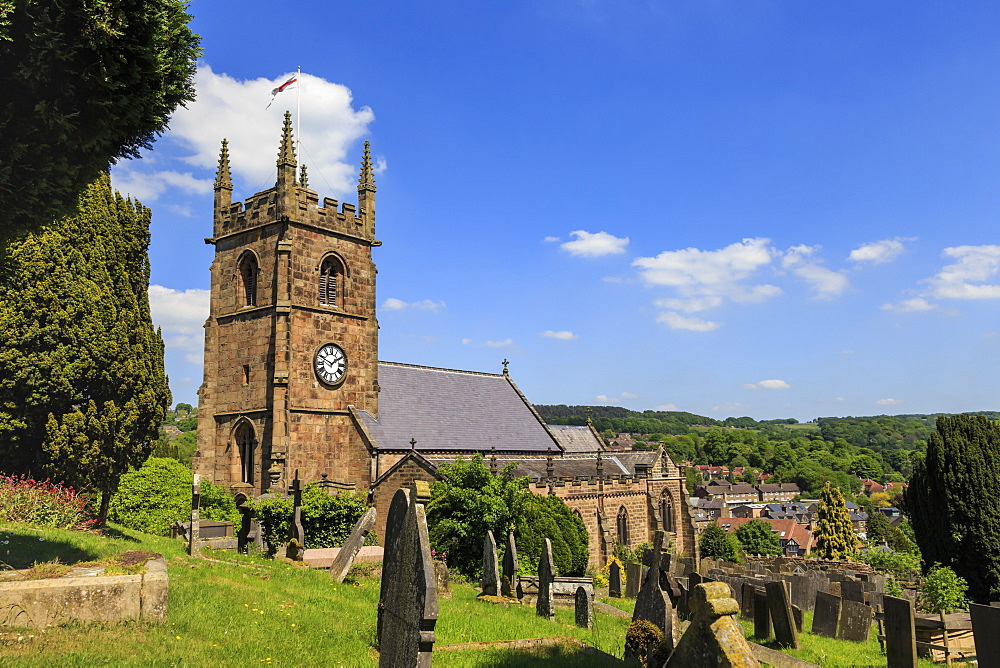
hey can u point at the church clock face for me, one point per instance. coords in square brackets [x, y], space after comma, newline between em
[331, 364]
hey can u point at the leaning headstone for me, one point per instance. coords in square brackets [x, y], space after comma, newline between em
[509, 575]
[633, 578]
[761, 615]
[615, 580]
[782, 619]
[545, 604]
[798, 617]
[986, 632]
[345, 558]
[855, 621]
[408, 606]
[714, 637]
[901, 634]
[584, 610]
[194, 549]
[826, 617]
[297, 533]
[491, 566]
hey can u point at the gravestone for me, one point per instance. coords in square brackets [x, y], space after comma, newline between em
[491, 566]
[901, 634]
[441, 580]
[633, 578]
[714, 637]
[296, 530]
[855, 621]
[761, 615]
[798, 617]
[782, 619]
[803, 591]
[246, 523]
[652, 604]
[408, 606]
[826, 618]
[746, 604]
[509, 577]
[615, 580]
[545, 605]
[345, 558]
[584, 609]
[986, 631]
[194, 549]
[852, 590]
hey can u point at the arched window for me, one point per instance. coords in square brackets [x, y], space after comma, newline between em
[246, 445]
[666, 511]
[248, 272]
[623, 538]
[331, 282]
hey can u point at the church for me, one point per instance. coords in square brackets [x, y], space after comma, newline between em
[293, 381]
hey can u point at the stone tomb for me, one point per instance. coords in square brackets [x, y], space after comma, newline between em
[761, 615]
[408, 605]
[826, 618]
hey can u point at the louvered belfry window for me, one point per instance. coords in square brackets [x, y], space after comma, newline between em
[248, 271]
[331, 274]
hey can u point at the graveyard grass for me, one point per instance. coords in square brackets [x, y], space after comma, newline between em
[252, 611]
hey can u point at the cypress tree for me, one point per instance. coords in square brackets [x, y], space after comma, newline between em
[82, 386]
[835, 538]
[954, 502]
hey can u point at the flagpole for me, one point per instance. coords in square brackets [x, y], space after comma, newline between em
[298, 111]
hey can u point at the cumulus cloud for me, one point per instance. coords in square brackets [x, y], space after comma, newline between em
[605, 399]
[393, 304]
[562, 335]
[629, 395]
[597, 244]
[965, 277]
[665, 407]
[774, 384]
[180, 313]
[500, 344]
[678, 321]
[878, 252]
[148, 186]
[826, 283]
[235, 109]
[889, 402]
[910, 305]
[550, 240]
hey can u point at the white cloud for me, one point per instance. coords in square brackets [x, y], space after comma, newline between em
[179, 312]
[848, 352]
[698, 269]
[500, 344]
[629, 395]
[606, 400]
[550, 240]
[963, 279]
[393, 304]
[728, 407]
[767, 385]
[235, 109]
[665, 407]
[588, 244]
[678, 321]
[910, 305]
[889, 402]
[879, 252]
[563, 335]
[692, 305]
[148, 186]
[466, 342]
[800, 261]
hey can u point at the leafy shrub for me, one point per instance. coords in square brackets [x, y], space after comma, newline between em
[943, 591]
[43, 504]
[153, 497]
[901, 564]
[550, 517]
[327, 520]
[717, 543]
[602, 577]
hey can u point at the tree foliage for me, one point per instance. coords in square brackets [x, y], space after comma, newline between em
[716, 543]
[954, 503]
[82, 386]
[878, 530]
[755, 537]
[835, 538]
[85, 83]
[943, 591]
[550, 517]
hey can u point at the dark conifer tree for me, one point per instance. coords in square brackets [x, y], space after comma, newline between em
[82, 386]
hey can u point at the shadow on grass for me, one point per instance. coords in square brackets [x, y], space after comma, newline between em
[558, 657]
[19, 551]
[117, 534]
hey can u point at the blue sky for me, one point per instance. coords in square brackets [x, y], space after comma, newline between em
[774, 209]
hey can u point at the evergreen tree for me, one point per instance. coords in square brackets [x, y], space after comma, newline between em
[716, 543]
[82, 386]
[755, 537]
[835, 538]
[954, 502]
[879, 529]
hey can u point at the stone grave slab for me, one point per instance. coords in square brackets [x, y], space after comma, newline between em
[761, 615]
[584, 609]
[986, 631]
[633, 578]
[746, 605]
[782, 618]
[900, 634]
[798, 616]
[509, 572]
[491, 567]
[349, 551]
[852, 590]
[855, 621]
[615, 580]
[545, 606]
[826, 618]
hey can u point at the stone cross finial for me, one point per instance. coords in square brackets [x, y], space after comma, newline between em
[413, 443]
[223, 178]
[505, 363]
[286, 150]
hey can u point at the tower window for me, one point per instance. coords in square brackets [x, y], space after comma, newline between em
[623, 537]
[331, 280]
[248, 272]
[246, 374]
[246, 444]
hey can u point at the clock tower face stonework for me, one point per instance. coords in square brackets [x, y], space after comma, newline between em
[291, 342]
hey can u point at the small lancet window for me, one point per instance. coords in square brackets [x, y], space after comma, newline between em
[623, 537]
[331, 282]
[248, 272]
[246, 444]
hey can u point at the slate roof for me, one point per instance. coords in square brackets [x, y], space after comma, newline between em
[448, 410]
[575, 439]
[562, 467]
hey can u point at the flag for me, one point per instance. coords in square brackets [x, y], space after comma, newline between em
[281, 88]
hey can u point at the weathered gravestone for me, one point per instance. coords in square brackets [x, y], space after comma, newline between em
[545, 605]
[652, 604]
[826, 617]
[986, 632]
[194, 549]
[781, 615]
[746, 604]
[803, 591]
[855, 621]
[509, 576]
[798, 616]
[408, 606]
[761, 615]
[852, 590]
[246, 531]
[297, 532]
[345, 558]
[901, 635]
[714, 637]
[633, 578]
[584, 609]
[615, 580]
[491, 566]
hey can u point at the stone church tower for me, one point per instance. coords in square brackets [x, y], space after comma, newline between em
[291, 342]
